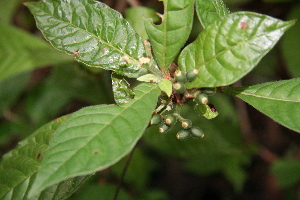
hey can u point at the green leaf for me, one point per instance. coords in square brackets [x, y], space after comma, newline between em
[206, 111]
[230, 48]
[20, 51]
[209, 11]
[291, 44]
[149, 78]
[96, 137]
[168, 38]
[91, 31]
[18, 167]
[122, 93]
[165, 86]
[135, 16]
[279, 100]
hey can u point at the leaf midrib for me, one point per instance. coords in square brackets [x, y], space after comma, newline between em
[260, 96]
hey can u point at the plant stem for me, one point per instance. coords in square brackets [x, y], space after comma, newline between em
[123, 174]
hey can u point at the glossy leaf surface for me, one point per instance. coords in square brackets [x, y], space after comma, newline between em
[279, 100]
[230, 48]
[209, 11]
[20, 51]
[169, 37]
[92, 32]
[120, 86]
[18, 168]
[96, 137]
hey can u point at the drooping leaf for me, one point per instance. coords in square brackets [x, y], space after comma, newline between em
[20, 51]
[209, 11]
[168, 37]
[120, 86]
[18, 167]
[279, 100]
[96, 137]
[291, 44]
[92, 32]
[135, 16]
[231, 47]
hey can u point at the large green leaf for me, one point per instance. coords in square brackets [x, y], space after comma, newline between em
[279, 100]
[210, 10]
[96, 137]
[168, 37]
[18, 168]
[20, 51]
[229, 48]
[94, 33]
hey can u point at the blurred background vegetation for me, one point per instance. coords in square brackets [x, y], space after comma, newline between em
[244, 154]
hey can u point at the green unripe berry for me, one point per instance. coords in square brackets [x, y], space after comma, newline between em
[170, 119]
[209, 91]
[201, 99]
[179, 76]
[179, 87]
[192, 74]
[183, 135]
[156, 119]
[196, 132]
[186, 123]
[164, 128]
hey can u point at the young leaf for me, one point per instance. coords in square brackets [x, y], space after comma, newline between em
[19, 167]
[168, 37]
[122, 93]
[206, 111]
[210, 10]
[279, 100]
[165, 86]
[96, 137]
[91, 31]
[231, 47]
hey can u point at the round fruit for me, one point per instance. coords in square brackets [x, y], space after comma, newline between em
[201, 99]
[164, 128]
[170, 119]
[196, 132]
[179, 87]
[156, 119]
[179, 76]
[183, 135]
[192, 74]
[186, 123]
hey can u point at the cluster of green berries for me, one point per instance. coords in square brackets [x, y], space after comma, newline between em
[166, 122]
[181, 78]
[180, 96]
